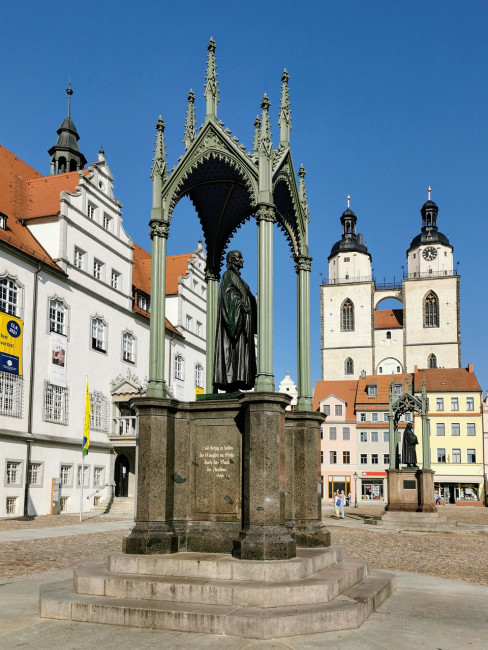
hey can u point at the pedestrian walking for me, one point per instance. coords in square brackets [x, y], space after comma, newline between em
[337, 504]
[349, 499]
[342, 499]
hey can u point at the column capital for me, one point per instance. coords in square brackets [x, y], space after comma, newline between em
[158, 229]
[303, 263]
[265, 212]
[212, 274]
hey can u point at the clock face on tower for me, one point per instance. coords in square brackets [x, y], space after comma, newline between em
[429, 253]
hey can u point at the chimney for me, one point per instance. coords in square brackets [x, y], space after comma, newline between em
[470, 367]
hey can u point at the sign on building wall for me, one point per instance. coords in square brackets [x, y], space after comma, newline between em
[58, 359]
[11, 329]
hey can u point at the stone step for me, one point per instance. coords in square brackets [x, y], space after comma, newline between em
[322, 587]
[222, 566]
[413, 521]
[348, 611]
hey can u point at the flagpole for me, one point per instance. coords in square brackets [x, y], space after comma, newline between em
[85, 443]
[81, 479]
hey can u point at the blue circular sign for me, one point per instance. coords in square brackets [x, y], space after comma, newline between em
[13, 329]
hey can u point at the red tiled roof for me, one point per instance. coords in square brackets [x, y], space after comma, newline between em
[388, 319]
[344, 390]
[446, 380]
[42, 194]
[383, 383]
[176, 266]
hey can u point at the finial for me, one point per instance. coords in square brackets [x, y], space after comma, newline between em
[265, 103]
[211, 87]
[159, 167]
[428, 193]
[302, 190]
[285, 113]
[190, 121]
[69, 92]
[257, 128]
[101, 150]
[265, 135]
[348, 201]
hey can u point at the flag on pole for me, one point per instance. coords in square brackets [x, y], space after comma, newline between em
[86, 428]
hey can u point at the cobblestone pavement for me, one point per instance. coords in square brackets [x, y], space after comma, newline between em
[49, 521]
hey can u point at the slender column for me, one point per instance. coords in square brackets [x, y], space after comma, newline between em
[393, 442]
[159, 234]
[212, 279]
[303, 267]
[425, 442]
[265, 379]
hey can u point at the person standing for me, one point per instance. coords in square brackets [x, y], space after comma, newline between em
[349, 499]
[343, 503]
[337, 504]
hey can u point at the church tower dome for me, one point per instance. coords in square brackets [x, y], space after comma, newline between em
[65, 154]
[349, 258]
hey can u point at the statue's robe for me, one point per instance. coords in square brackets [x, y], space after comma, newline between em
[409, 453]
[235, 355]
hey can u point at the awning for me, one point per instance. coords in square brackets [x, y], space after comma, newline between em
[439, 478]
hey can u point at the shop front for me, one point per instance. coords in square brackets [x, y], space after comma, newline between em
[459, 490]
[339, 483]
[373, 486]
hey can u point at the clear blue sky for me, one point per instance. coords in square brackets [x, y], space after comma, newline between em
[387, 98]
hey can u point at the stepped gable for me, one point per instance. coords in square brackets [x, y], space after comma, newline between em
[388, 319]
[14, 176]
[344, 390]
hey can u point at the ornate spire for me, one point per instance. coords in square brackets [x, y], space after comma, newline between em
[211, 86]
[159, 171]
[190, 121]
[285, 113]
[65, 154]
[348, 202]
[265, 135]
[69, 92]
[257, 131]
[429, 190]
[302, 190]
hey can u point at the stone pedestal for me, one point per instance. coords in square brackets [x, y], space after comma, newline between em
[410, 490]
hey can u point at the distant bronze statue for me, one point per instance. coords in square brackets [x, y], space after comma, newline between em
[409, 453]
[235, 356]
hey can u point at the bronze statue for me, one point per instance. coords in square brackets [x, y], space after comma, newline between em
[235, 356]
[409, 453]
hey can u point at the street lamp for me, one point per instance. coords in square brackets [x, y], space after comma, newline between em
[355, 489]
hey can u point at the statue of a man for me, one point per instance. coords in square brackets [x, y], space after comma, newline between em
[409, 453]
[235, 356]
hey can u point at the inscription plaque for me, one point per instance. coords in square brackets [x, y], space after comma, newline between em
[409, 485]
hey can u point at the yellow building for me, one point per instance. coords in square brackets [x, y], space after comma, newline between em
[456, 427]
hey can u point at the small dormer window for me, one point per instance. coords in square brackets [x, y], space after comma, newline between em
[372, 390]
[3, 222]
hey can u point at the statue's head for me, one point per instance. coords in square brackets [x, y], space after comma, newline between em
[234, 260]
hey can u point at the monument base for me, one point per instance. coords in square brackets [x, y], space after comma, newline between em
[317, 591]
[410, 490]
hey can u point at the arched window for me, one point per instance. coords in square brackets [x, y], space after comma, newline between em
[347, 316]
[431, 310]
[431, 361]
[58, 316]
[388, 335]
[9, 296]
[179, 367]
[349, 366]
[199, 375]
[128, 347]
[99, 334]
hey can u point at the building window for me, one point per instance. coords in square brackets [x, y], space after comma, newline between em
[11, 394]
[86, 475]
[440, 429]
[35, 474]
[332, 433]
[107, 222]
[99, 335]
[91, 210]
[115, 279]
[456, 455]
[388, 336]
[346, 433]
[9, 296]
[98, 476]
[64, 504]
[326, 409]
[374, 417]
[471, 455]
[98, 269]
[11, 505]
[386, 436]
[321, 457]
[439, 404]
[346, 457]
[99, 406]
[338, 409]
[374, 459]
[347, 316]
[441, 455]
[469, 403]
[179, 367]
[199, 329]
[363, 459]
[333, 457]
[363, 436]
[199, 375]
[349, 366]
[471, 429]
[58, 316]
[143, 302]
[3, 222]
[407, 417]
[55, 404]
[14, 472]
[66, 475]
[431, 361]
[455, 429]
[386, 459]
[125, 423]
[385, 417]
[374, 436]
[454, 404]
[128, 347]
[372, 390]
[398, 389]
[362, 417]
[431, 310]
[80, 257]
[189, 323]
